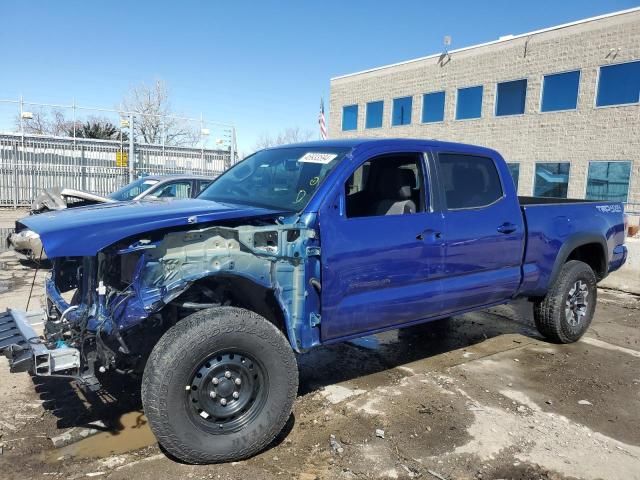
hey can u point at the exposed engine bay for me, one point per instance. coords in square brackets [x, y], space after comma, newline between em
[127, 296]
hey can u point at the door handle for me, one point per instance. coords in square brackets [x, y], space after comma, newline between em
[507, 228]
[429, 234]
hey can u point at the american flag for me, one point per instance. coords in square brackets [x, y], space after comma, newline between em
[321, 121]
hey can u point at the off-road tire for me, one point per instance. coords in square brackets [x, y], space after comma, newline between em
[171, 364]
[549, 313]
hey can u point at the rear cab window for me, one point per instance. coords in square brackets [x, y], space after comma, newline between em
[468, 181]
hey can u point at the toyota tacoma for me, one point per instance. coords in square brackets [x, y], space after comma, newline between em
[209, 300]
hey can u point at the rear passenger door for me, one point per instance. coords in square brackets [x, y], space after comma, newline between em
[483, 231]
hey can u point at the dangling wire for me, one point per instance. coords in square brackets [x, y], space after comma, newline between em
[35, 274]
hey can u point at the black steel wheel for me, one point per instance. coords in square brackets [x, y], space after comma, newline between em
[226, 392]
[219, 385]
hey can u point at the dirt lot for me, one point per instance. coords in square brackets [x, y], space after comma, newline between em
[480, 396]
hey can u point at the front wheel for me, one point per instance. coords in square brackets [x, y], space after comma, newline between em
[565, 313]
[219, 385]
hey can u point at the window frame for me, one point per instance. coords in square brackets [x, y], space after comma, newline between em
[595, 96]
[542, 77]
[495, 98]
[355, 129]
[533, 186]
[202, 185]
[393, 108]
[443, 197]
[444, 108]
[586, 178]
[366, 115]
[424, 165]
[455, 113]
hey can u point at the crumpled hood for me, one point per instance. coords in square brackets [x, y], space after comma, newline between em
[56, 198]
[84, 231]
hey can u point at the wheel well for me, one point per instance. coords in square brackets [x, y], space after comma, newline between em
[593, 255]
[238, 292]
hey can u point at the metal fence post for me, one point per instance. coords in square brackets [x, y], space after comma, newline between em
[15, 175]
[83, 168]
[232, 160]
[131, 150]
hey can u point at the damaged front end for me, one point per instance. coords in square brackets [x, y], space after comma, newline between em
[106, 312]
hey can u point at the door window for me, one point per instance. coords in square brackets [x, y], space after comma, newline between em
[386, 185]
[468, 181]
[180, 189]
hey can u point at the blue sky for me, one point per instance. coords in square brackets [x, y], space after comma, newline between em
[262, 65]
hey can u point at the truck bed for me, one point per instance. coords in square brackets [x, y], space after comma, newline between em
[555, 227]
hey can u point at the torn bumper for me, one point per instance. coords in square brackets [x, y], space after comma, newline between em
[26, 351]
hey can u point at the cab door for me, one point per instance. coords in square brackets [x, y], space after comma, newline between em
[381, 247]
[483, 233]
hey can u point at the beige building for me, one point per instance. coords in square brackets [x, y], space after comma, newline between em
[561, 104]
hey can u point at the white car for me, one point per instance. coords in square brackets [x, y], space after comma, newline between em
[28, 246]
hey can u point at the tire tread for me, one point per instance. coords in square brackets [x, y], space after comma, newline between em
[548, 313]
[194, 329]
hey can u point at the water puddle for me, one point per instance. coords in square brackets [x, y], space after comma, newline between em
[132, 433]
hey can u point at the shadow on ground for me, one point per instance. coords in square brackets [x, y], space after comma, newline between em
[371, 359]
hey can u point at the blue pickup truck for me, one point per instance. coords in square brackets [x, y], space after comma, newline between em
[208, 300]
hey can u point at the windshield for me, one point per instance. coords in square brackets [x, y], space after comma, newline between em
[133, 189]
[280, 178]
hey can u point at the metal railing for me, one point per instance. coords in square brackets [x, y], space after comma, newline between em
[31, 163]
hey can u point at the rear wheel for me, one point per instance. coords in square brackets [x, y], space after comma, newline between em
[565, 313]
[219, 385]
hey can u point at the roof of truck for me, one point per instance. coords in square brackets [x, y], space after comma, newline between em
[399, 142]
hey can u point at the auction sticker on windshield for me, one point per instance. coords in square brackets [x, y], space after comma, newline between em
[317, 157]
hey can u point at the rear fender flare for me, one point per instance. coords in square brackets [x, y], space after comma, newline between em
[570, 245]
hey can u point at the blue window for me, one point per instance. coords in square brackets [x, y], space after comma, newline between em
[511, 97]
[608, 181]
[374, 114]
[552, 180]
[469, 104]
[514, 170]
[560, 91]
[619, 84]
[433, 107]
[350, 117]
[401, 111]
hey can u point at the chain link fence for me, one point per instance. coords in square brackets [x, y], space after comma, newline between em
[30, 163]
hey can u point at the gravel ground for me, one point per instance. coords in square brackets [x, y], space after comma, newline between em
[480, 396]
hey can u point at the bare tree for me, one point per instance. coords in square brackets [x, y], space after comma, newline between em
[154, 124]
[47, 123]
[288, 135]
